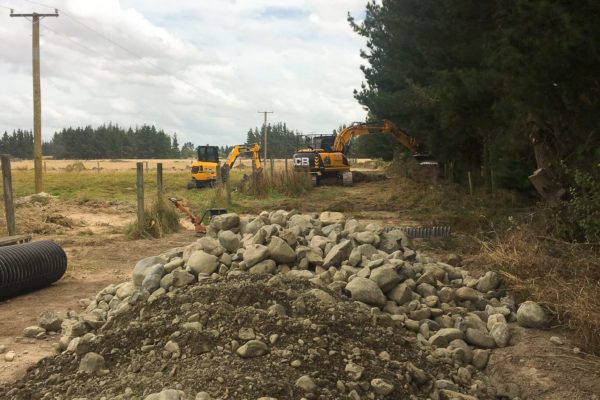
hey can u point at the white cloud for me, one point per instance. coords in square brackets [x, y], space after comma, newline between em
[201, 68]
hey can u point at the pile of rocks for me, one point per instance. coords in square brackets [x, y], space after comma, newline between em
[282, 306]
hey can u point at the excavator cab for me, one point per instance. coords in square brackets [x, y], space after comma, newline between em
[324, 142]
[204, 169]
[208, 153]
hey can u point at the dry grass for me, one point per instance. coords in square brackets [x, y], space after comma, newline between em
[565, 277]
[280, 182]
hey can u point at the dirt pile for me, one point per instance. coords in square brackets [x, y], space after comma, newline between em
[194, 340]
[285, 306]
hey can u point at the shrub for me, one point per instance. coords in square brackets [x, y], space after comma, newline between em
[159, 220]
[578, 217]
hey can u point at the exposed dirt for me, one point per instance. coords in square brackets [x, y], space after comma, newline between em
[543, 370]
[98, 254]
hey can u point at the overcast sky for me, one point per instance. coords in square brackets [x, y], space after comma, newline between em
[201, 68]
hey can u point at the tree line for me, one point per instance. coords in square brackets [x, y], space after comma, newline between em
[105, 141]
[282, 141]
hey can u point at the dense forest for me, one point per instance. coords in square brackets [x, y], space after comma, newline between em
[489, 86]
[499, 88]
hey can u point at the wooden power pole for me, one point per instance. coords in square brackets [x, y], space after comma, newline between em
[37, 94]
[265, 132]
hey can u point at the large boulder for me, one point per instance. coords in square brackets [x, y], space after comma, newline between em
[203, 263]
[385, 277]
[366, 237]
[445, 335]
[167, 394]
[229, 240]
[91, 363]
[182, 278]
[332, 217]
[466, 293]
[500, 333]
[304, 222]
[264, 267]
[225, 221]
[388, 243]
[489, 281]
[252, 348]
[255, 254]
[367, 291]
[279, 217]
[140, 269]
[337, 254]
[211, 245]
[478, 338]
[254, 226]
[153, 276]
[50, 321]
[531, 315]
[280, 251]
[401, 294]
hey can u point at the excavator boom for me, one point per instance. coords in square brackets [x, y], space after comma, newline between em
[362, 128]
[239, 149]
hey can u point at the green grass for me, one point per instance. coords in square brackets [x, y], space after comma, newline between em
[120, 186]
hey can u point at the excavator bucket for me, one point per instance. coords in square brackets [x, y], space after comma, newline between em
[425, 159]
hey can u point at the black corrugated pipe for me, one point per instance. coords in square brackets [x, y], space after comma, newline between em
[424, 232]
[30, 266]
[430, 232]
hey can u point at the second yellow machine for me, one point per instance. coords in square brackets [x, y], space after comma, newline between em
[204, 169]
[325, 155]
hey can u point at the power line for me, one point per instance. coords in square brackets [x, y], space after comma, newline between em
[45, 27]
[130, 52]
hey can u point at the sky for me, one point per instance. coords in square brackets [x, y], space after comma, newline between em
[200, 68]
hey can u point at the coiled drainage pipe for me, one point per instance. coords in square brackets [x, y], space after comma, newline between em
[30, 266]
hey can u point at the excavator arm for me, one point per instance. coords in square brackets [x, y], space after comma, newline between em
[239, 149]
[387, 126]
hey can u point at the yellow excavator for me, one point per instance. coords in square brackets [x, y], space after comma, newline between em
[204, 169]
[325, 154]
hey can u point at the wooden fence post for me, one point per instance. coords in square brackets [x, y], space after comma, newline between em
[140, 195]
[98, 166]
[272, 166]
[286, 165]
[470, 184]
[9, 207]
[159, 188]
[159, 181]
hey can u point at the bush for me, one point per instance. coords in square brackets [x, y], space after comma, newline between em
[578, 217]
[159, 220]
